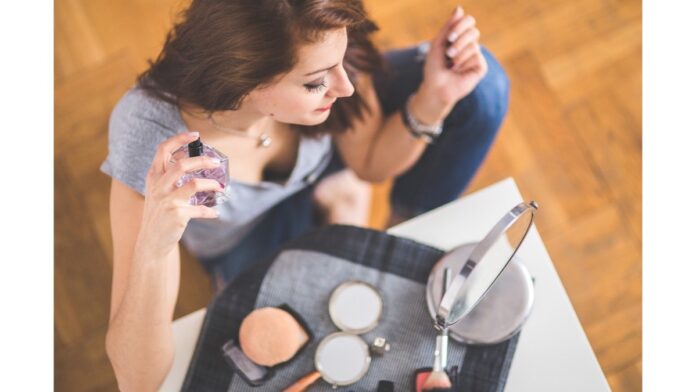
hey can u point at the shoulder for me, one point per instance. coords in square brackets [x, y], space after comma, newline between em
[138, 111]
[137, 125]
[141, 121]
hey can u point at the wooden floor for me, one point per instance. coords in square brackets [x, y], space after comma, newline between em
[572, 141]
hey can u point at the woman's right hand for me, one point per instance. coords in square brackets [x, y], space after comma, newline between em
[167, 210]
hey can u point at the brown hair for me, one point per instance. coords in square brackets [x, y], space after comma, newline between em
[221, 50]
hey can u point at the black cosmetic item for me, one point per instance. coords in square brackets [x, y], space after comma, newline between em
[195, 148]
[385, 386]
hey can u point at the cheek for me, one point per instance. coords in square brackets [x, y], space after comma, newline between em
[294, 105]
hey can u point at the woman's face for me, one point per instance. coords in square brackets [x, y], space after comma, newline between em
[304, 95]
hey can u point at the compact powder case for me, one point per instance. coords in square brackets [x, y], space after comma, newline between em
[256, 374]
[355, 307]
[342, 358]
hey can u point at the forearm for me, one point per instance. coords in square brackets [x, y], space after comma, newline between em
[394, 150]
[139, 341]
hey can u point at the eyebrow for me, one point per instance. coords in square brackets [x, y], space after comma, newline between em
[321, 70]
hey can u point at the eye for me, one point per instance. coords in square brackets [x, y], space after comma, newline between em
[315, 87]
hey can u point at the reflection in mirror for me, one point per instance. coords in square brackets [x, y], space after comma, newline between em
[355, 307]
[485, 264]
[342, 358]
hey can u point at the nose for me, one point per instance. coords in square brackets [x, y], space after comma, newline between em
[341, 86]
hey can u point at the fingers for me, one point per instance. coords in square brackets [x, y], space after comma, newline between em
[167, 147]
[182, 196]
[460, 27]
[196, 185]
[182, 166]
[464, 39]
[202, 212]
[475, 63]
[465, 54]
[441, 36]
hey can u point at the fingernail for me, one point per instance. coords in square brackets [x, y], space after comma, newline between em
[215, 161]
[194, 134]
[451, 52]
[452, 37]
[458, 11]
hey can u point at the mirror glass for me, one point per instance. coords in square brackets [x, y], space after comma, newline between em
[342, 358]
[483, 266]
[355, 307]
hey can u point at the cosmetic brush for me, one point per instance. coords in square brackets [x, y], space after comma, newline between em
[303, 383]
[438, 378]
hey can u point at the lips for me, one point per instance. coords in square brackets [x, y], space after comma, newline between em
[325, 108]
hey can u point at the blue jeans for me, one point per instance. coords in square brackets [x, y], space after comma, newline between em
[440, 175]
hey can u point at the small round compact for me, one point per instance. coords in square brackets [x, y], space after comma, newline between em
[355, 307]
[342, 358]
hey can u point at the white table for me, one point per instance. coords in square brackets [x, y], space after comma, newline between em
[553, 353]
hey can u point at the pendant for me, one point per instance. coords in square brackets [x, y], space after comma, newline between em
[265, 140]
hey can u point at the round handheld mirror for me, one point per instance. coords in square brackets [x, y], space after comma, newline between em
[484, 264]
[501, 312]
[355, 307]
[342, 358]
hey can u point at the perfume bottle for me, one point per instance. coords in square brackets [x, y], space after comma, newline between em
[220, 173]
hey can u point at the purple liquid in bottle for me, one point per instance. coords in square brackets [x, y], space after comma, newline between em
[220, 173]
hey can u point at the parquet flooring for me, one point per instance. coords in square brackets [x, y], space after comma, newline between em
[572, 141]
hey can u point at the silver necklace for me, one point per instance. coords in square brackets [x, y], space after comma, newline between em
[263, 140]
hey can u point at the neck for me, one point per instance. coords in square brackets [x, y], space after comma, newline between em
[241, 120]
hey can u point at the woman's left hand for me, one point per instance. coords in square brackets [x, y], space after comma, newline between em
[454, 65]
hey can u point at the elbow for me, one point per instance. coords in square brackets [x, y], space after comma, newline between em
[136, 371]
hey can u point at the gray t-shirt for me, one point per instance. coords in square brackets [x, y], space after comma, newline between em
[139, 123]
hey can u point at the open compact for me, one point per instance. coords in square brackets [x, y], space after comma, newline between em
[355, 307]
[343, 358]
[479, 293]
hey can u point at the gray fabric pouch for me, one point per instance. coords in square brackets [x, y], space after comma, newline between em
[304, 273]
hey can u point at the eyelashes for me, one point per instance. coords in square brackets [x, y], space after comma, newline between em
[315, 87]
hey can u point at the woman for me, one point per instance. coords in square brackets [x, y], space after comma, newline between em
[257, 79]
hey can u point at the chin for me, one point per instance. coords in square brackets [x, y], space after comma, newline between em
[311, 121]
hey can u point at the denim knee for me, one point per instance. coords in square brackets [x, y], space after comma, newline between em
[487, 103]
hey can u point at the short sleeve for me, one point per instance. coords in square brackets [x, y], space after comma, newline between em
[136, 128]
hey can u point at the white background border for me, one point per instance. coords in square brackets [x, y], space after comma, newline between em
[669, 159]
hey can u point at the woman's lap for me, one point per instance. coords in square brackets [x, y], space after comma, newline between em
[440, 175]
